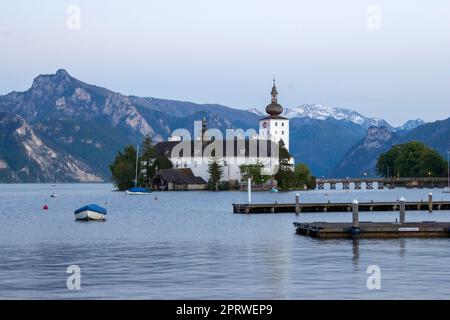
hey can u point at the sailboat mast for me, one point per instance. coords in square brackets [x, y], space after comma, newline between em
[137, 160]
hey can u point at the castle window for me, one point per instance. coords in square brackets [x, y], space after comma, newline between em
[276, 124]
[282, 124]
[282, 132]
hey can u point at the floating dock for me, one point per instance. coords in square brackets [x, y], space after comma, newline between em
[356, 229]
[338, 207]
[425, 229]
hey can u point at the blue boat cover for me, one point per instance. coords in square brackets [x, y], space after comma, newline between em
[138, 189]
[91, 207]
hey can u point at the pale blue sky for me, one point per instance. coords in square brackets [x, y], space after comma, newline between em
[226, 51]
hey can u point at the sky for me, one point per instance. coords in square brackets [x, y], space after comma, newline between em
[382, 58]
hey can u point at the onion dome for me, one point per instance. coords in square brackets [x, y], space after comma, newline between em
[274, 109]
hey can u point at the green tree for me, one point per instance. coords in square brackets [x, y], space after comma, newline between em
[413, 159]
[162, 162]
[123, 168]
[303, 177]
[215, 171]
[148, 160]
[253, 171]
[285, 175]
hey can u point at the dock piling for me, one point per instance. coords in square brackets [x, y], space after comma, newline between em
[402, 210]
[249, 190]
[297, 203]
[355, 213]
[430, 202]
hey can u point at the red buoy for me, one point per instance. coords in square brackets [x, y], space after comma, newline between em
[45, 207]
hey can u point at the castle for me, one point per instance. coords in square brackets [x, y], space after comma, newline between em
[261, 148]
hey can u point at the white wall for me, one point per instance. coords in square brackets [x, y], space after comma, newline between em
[275, 130]
[231, 170]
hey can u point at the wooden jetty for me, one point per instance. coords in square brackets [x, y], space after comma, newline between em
[355, 229]
[338, 207]
[425, 229]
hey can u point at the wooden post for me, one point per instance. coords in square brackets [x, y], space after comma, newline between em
[249, 190]
[430, 202]
[355, 213]
[402, 210]
[297, 203]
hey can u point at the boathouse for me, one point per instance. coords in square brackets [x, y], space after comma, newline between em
[178, 180]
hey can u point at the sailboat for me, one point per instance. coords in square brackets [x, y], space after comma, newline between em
[447, 189]
[137, 191]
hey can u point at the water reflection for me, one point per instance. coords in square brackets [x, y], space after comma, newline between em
[176, 248]
[355, 257]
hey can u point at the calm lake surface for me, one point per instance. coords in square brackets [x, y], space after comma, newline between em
[189, 245]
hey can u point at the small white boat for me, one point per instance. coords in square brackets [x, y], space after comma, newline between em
[53, 195]
[138, 191]
[90, 212]
[446, 190]
[274, 190]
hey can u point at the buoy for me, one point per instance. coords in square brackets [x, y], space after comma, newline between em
[156, 198]
[45, 207]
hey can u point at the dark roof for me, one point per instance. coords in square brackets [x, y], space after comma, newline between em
[164, 148]
[179, 176]
[274, 109]
[275, 117]
[230, 148]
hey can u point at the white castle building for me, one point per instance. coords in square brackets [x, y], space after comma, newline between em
[274, 127]
[260, 148]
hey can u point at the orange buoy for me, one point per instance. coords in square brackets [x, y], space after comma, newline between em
[45, 207]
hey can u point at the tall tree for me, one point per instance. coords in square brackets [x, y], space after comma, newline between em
[215, 171]
[148, 160]
[123, 168]
[285, 176]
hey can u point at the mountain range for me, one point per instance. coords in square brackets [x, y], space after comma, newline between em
[64, 130]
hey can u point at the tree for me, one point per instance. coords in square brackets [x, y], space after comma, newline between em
[413, 159]
[215, 171]
[123, 168]
[148, 160]
[162, 162]
[253, 171]
[285, 176]
[303, 177]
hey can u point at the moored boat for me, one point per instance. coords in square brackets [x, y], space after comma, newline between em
[138, 191]
[90, 212]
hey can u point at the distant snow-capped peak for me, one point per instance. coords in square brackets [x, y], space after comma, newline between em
[321, 112]
[256, 111]
[411, 124]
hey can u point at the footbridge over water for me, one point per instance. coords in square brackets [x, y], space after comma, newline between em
[380, 183]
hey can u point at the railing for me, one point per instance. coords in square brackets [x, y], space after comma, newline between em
[383, 180]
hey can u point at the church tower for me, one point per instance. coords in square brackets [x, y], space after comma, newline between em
[274, 127]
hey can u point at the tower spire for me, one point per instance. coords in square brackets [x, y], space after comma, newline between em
[274, 92]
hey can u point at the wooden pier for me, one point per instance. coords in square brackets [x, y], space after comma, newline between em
[338, 207]
[425, 229]
[356, 229]
[381, 183]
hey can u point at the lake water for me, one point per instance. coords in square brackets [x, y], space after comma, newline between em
[189, 245]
